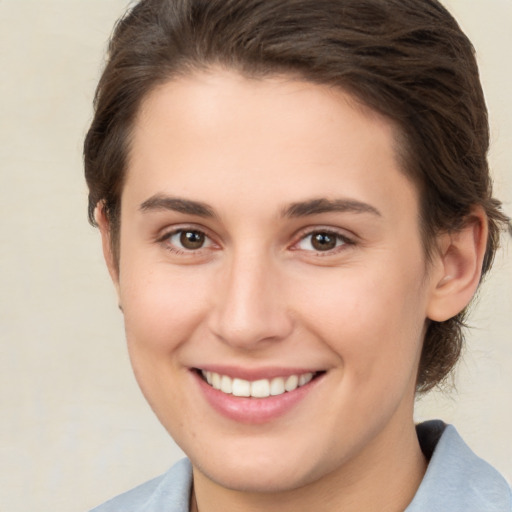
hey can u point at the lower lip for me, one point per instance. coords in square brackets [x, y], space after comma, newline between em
[254, 410]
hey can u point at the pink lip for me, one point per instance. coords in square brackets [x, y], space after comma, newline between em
[254, 410]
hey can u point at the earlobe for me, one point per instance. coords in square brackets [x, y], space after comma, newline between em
[461, 254]
[106, 241]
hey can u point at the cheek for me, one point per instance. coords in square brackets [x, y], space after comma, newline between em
[161, 308]
[373, 322]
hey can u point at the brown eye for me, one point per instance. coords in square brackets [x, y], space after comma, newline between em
[191, 240]
[188, 242]
[323, 241]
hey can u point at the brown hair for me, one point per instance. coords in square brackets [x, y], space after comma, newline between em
[406, 59]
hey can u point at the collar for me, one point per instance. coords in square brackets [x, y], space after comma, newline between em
[456, 479]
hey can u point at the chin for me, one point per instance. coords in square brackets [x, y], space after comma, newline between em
[260, 479]
[260, 472]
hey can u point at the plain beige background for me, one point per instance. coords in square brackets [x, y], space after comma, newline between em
[74, 428]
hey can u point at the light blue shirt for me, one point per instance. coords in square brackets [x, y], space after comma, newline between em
[456, 481]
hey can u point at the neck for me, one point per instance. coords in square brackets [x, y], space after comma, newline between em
[385, 477]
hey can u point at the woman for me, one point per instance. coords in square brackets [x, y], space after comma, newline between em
[296, 210]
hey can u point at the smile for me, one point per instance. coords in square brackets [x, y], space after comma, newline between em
[261, 388]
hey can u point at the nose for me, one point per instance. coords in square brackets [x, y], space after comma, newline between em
[250, 305]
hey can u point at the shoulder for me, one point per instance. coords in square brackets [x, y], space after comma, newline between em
[170, 491]
[456, 478]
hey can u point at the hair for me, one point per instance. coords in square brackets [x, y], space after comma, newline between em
[405, 59]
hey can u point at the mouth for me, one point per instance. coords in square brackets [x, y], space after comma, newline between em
[261, 388]
[256, 396]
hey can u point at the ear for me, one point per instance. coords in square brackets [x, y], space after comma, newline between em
[460, 261]
[106, 241]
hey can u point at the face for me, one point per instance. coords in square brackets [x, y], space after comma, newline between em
[270, 247]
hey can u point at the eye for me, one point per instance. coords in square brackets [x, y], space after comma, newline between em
[183, 240]
[322, 241]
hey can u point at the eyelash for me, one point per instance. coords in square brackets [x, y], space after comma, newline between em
[339, 237]
[165, 240]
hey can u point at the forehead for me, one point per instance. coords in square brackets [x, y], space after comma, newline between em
[278, 139]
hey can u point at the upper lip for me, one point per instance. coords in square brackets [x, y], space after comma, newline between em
[253, 374]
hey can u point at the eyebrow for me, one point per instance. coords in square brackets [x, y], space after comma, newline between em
[299, 209]
[161, 202]
[323, 205]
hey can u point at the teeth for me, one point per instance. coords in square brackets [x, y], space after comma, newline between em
[305, 378]
[216, 380]
[292, 382]
[262, 388]
[226, 384]
[241, 387]
[277, 386]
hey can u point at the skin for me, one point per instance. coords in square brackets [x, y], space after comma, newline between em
[258, 294]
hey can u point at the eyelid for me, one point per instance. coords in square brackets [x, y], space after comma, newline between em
[163, 238]
[164, 235]
[348, 239]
